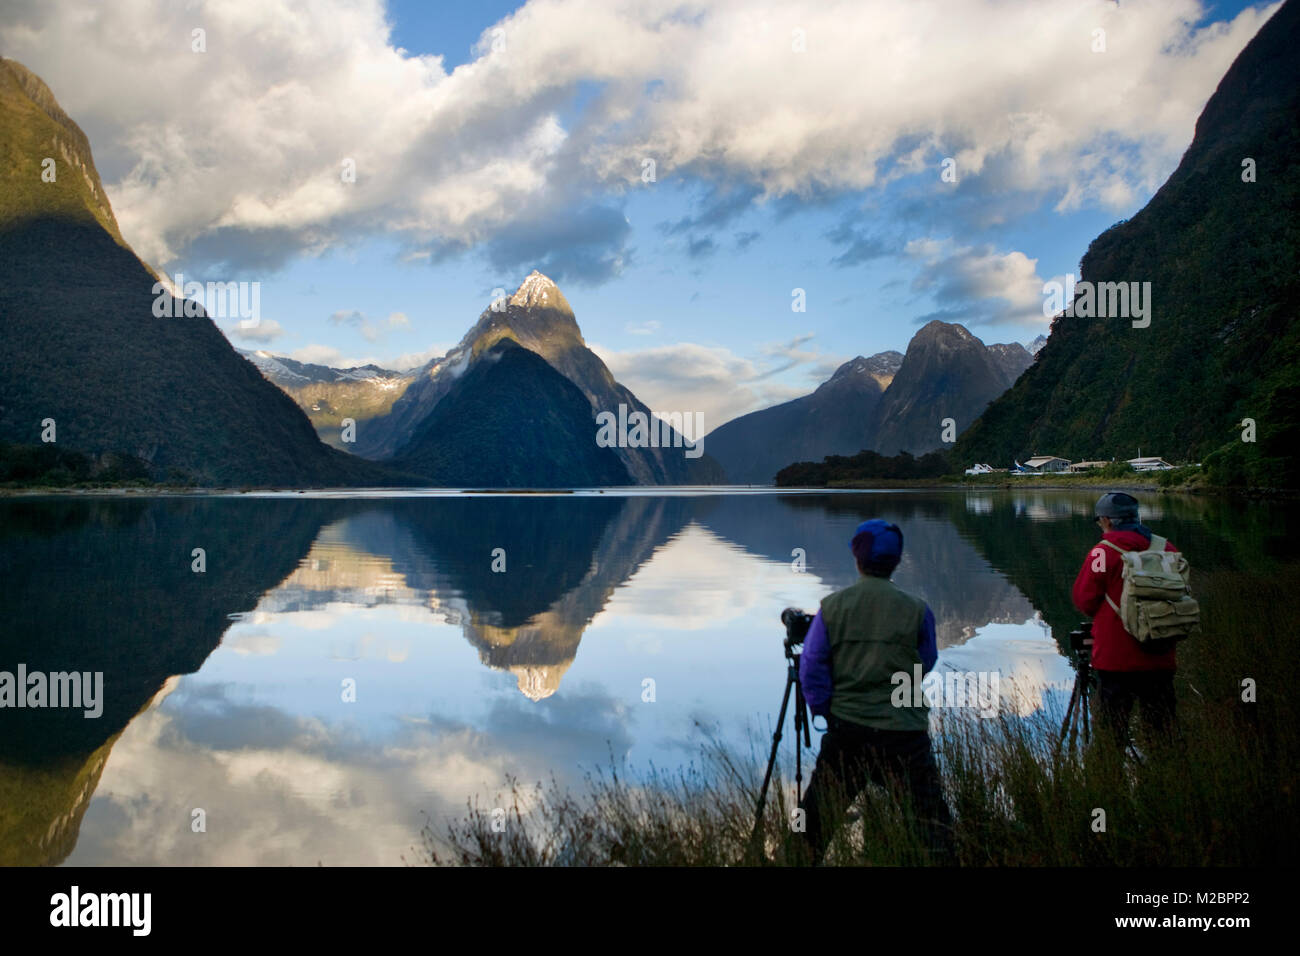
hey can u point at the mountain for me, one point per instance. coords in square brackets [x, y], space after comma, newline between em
[540, 319]
[1011, 359]
[1219, 244]
[329, 395]
[511, 421]
[833, 420]
[82, 346]
[946, 373]
[1036, 345]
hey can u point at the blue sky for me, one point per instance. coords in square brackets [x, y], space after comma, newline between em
[494, 138]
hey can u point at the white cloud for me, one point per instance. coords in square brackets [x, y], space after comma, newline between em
[370, 331]
[239, 153]
[266, 330]
[317, 354]
[686, 377]
[976, 285]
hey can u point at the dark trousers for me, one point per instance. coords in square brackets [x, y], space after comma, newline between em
[1152, 691]
[853, 755]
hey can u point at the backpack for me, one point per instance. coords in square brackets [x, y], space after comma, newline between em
[1156, 605]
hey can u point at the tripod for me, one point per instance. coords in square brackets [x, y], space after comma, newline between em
[1077, 711]
[802, 736]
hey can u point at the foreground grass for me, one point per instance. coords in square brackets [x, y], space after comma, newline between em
[1224, 794]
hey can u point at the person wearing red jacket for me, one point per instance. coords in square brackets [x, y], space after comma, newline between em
[1126, 673]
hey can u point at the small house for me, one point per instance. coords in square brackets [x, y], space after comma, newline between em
[1150, 464]
[1080, 466]
[1045, 464]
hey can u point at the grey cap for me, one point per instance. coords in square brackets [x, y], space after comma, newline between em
[1117, 506]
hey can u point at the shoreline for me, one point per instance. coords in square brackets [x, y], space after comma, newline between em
[916, 484]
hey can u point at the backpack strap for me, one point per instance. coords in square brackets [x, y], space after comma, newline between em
[1114, 607]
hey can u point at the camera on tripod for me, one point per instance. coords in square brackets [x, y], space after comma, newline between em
[796, 623]
[1081, 638]
[1077, 711]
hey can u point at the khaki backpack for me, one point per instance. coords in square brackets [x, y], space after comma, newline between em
[1156, 605]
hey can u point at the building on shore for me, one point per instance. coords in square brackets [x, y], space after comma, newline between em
[1044, 464]
[1150, 464]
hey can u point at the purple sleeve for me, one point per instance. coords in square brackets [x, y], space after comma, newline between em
[815, 668]
[926, 643]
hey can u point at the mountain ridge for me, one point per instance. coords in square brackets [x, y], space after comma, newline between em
[1219, 243]
[115, 379]
[889, 399]
[540, 319]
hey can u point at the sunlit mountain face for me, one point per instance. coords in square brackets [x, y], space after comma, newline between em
[346, 669]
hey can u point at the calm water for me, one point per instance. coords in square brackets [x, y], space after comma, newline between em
[224, 691]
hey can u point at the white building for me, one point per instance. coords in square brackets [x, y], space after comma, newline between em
[1042, 464]
[1150, 464]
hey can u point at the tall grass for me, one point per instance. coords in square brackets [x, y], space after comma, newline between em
[1224, 793]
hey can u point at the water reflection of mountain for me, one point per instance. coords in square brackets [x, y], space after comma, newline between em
[939, 564]
[106, 585]
[563, 557]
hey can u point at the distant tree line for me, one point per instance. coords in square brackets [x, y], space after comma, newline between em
[864, 466]
[51, 466]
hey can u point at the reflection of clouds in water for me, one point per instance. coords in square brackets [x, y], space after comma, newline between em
[700, 581]
[1055, 506]
[257, 643]
[695, 610]
[1027, 660]
[281, 789]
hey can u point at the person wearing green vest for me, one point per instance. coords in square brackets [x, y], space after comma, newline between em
[858, 641]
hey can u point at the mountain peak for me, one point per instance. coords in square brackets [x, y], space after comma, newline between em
[539, 292]
[882, 367]
[937, 328]
[37, 128]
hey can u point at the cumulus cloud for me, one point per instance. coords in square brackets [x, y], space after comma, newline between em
[686, 377]
[241, 156]
[977, 285]
[266, 330]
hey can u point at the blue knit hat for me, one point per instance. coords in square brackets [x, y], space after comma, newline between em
[877, 546]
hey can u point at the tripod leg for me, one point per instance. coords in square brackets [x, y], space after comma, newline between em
[1069, 709]
[1072, 715]
[1083, 706]
[801, 736]
[771, 760]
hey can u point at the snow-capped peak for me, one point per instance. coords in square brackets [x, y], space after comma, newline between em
[537, 291]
